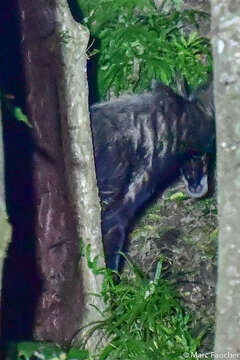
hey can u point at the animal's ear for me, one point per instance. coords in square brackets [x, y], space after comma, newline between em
[160, 88]
[182, 87]
[154, 84]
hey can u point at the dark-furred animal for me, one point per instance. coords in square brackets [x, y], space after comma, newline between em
[141, 142]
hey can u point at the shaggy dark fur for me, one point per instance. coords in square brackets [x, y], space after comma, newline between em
[141, 142]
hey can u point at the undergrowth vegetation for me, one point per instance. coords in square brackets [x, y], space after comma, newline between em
[136, 43]
[143, 320]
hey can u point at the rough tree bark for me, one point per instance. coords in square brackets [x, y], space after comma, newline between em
[226, 51]
[78, 150]
[63, 207]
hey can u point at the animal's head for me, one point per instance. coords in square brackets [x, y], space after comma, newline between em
[195, 171]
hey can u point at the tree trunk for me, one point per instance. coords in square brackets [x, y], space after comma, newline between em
[62, 205]
[78, 152]
[226, 51]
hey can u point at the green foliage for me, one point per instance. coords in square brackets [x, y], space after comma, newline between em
[178, 196]
[137, 43]
[17, 113]
[28, 350]
[143, 320]
[92, 263]
[100, 14]
[208, 206]
[76, 354]
[14, 111]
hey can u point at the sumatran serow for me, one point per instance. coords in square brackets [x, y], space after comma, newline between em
[141, 144]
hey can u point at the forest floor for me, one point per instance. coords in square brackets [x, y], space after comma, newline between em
[183, 231]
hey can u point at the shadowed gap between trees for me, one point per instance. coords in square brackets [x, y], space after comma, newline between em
[21, 283]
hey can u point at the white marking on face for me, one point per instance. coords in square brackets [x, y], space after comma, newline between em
[201, 190]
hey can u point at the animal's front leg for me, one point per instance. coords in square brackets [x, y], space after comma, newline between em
[114, 229]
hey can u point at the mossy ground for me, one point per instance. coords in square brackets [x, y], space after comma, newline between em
[184, 230]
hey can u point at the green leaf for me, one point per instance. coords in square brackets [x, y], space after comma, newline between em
[77, 354]
[17, 113]
[20, 116]
[40, 350]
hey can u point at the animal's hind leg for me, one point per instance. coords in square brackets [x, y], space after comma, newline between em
[115, 223]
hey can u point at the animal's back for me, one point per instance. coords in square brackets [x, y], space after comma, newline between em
[140, 144]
